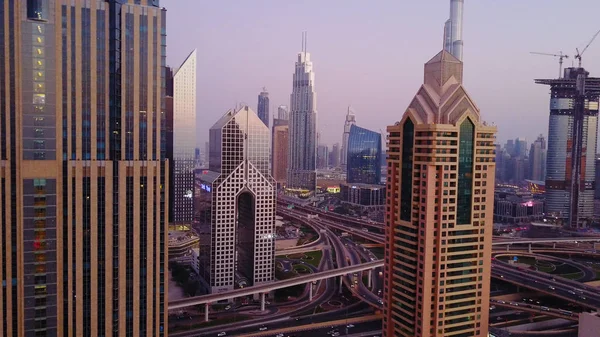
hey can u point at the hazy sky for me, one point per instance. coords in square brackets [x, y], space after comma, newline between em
[370, 54]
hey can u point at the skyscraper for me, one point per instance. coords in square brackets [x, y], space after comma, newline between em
[302, 174]
[364, 156]
[350, 120]
[572, 133]
[184, 139]
[84, 176]
[322, 157]
[439, 211]
[279, 158]
[537, 159]
[453, 29]
[282, 113]
[334, 158]
[238, 196]
[263, 106]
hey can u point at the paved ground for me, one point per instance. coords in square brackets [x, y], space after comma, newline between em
[175, 292]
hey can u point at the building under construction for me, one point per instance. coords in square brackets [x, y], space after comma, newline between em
[572, 134]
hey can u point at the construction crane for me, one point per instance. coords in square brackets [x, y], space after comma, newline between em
[560, 56]
[578, 56]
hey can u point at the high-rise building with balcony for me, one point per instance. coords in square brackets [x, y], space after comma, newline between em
[302, 173]
[440, 200]
[84, 179]
[237, 198]
[263, 107]
[184, 140]
[364, 156]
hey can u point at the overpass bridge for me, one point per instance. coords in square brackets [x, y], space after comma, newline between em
[268, 287]
[537, 309]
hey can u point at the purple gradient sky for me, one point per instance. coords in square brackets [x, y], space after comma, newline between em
[370, 54]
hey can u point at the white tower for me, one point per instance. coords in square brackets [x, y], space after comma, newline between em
[453, 29]
[350, 120]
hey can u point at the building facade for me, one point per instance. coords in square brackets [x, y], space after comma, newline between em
[184, 140]
[83, 177]
[350, 120]
[283, 113]
[334, 156]
[537, 159]
[564, 143]
[322, 157]
[364, 195]
[440, 195]
[279, 159]
[238, 198]
[263, 107]
[514, 207]
[302, 163]
[364, 156]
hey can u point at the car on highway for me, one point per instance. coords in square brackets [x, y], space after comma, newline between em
[571, 292]
[222, 334]
[551, 288]
[228, 307]
[350, 326]
[279, 335]
[262, 328]
[582, 298]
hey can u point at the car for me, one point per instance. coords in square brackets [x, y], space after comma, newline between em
[228, 307]
[350, 326]
[571, 292]
[222, 334]
[501, 276]
[551, 288]
[262, 328]
[582, 297]
[279, 335]
[493, 307]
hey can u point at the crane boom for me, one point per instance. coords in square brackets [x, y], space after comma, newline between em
[578, 56]
[560, 56]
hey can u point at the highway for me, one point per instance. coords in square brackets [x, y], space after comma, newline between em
[536, 309]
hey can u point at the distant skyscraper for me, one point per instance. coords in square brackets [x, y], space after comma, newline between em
[537, 159]
[597, 191]
[322, 157]
[83, 240]
[520, 148]
[302, 174]
[279, 159]
[364, 156]
[572, 133]
[263, 106]
[206, 153]
[184, 139]
[439, 212]
[283, 113]
[453, 29]
[350, 120]
[238, 203]
[334, 158]
[510, 147]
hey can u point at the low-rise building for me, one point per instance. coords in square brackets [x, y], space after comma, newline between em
[365, 195]
[517, 207]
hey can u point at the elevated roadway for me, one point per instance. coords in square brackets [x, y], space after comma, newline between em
[536, 309]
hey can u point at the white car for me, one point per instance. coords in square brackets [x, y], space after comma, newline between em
[262, 328]
[222, 334]
[350, 326]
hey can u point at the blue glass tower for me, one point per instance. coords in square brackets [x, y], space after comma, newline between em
[364, 156]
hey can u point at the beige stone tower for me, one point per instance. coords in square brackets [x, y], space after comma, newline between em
[439, 211]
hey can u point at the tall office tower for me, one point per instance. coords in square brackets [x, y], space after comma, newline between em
[302, 174]
[197, 160]
[364, 156]
[322, 157]
[572, 133]
[334, 158]
[520, 148]
[83, 177]
[282, 112]
[537, 159]
[263, 106]
[184, 140]
[510, 147]
[439, 211]
[453, 29]
[239, 195]
[350, 120]
[279, 158]
[517, 169]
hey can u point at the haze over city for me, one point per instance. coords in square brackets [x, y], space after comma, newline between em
[371, 57]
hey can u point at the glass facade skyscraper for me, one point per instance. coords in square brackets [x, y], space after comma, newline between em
[184, 140]
[263, 106]
[83, 186]
[302, 165]
[364, 156]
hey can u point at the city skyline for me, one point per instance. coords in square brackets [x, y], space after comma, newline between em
[389, 77]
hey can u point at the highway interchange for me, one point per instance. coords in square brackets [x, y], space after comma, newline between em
[339, 252]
